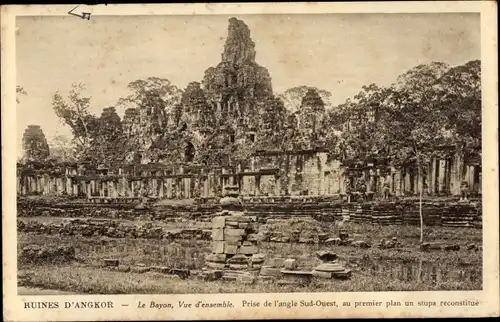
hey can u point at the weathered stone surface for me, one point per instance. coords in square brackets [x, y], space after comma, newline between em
[290, 264]
[329, 267]
[234, 232]
[230, 249]
[233, 239]
[219, 222]
[321, 274]
[218, 234]
[218, 247]
[239, 259]
[276, 262]
[258, 258]
[238, 266]
[215, 265]
[270, 271]
[252, 237]
[248, 250]
[218, 258]
[233, 224]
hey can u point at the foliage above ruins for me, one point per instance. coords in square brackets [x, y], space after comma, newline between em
[232, 113]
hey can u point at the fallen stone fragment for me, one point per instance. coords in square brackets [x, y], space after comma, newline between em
[290, 264]
[161, 269]
[218, 258]
[212, 275]
[452, 247]
[111, 262]
[139, 269]
[270, 271]
[276, 262]
[321, 274]
[345, 274]
[333, 241]
[361, 244]
[248, 250]
[329, 267]
[215, 265]
[326, 256]
[182, 273]
[238, 259]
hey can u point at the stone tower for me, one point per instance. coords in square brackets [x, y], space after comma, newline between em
[35, 144]
[237, 85]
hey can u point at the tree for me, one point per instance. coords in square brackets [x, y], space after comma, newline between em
[292, 97]
[107, 144]
[35, 144]
[142, 91]
[360, 137]
[74, 112]
[459, 94]
[154, 101]
[62, 148]
[414, 121]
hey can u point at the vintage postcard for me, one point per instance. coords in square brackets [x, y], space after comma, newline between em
[250, 161]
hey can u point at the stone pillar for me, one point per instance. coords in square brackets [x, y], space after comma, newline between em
[89, 190]
[160, 188]
[442, 175]
[114, 189]
[471, 177]
[206, 187]
[195, 187]
[169, 188]
[131, 191]
[371, 183]
[24, 185]
[432, 183]
[257, 185]
[277, 186]
[397, 182]
[187, 188]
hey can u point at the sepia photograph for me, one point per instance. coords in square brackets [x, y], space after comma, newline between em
[218, 156]
[246, 153]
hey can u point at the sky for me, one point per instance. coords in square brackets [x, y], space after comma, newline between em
[336, 52]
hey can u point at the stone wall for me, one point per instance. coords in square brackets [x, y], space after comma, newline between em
[436, 213]
[268, 173]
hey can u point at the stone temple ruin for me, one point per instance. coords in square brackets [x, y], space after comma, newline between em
[242, 200]
[235, 256]
[235, 106]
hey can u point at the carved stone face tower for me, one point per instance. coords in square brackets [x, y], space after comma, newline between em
[237, 84]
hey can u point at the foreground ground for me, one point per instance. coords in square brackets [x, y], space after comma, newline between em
[373, 269]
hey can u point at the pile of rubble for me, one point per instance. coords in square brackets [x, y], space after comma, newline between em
[234, 247]
[51, 254]
[110, 228]
[330, 267]
[286, 271]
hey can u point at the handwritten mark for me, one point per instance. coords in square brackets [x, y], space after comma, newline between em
[84, 15]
